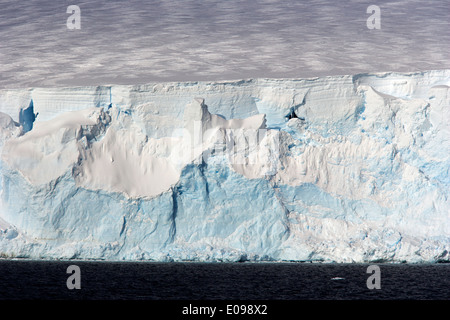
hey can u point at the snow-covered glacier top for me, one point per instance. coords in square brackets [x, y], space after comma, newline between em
[338, 168]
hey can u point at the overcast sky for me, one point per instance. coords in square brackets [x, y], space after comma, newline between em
[128, 42]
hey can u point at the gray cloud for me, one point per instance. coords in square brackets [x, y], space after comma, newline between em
[133, 41]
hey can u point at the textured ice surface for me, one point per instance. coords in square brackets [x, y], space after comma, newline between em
[342, 168]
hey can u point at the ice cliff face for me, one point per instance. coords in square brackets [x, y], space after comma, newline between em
[348, 168]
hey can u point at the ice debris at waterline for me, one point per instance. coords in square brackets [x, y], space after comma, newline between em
[342, 168]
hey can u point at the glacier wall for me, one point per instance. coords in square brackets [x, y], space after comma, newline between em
[343, 168]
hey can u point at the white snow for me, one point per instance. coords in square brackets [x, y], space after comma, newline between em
[215, 171]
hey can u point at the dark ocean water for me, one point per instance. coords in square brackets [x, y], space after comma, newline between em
[45, 280]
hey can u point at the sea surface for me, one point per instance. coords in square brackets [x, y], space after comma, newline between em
[47, 280]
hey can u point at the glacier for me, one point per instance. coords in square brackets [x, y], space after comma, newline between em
[332, 169]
